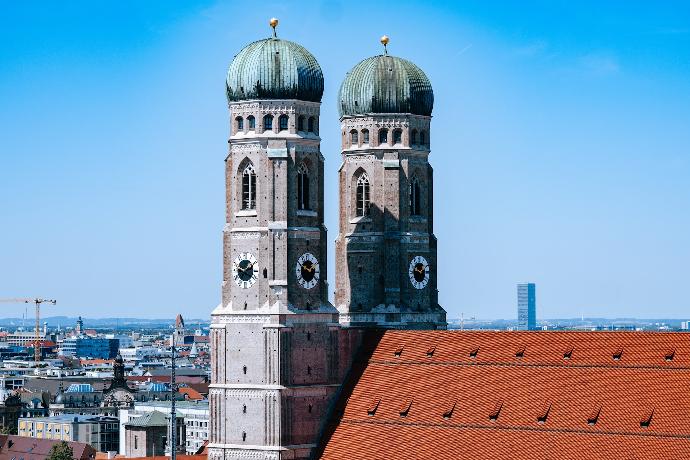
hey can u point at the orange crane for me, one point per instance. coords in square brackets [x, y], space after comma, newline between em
[37, 331]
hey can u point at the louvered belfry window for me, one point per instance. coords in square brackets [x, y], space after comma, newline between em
[415, 197]
[303, 187]
[249, 188]
[363, 196]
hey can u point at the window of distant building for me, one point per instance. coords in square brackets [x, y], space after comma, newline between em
[365, 136]
[251, 122]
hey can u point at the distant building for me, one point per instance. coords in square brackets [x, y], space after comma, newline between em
[147, 435]
[23, 338]
[102, 433]
[195, 418]
[90, 347]
[10, 409]
[685, 325]
[177, 338]
[527, 306]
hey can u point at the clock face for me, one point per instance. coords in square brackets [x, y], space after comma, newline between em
[307, 270]
[419, 272]
[246, 270]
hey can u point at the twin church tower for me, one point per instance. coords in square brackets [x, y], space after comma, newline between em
[280, 348]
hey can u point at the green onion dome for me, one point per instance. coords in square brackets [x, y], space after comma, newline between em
[386, 84]
[274, 69]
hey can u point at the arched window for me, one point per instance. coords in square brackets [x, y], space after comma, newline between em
[300, 123]
[311, 123]
[240, 124]
[422, 138]
[413, 137]
[283, 122]
[268, 122]
[397, 136]
[365, 136]
[415, 197]
[251, 122]
[383, 136]
[362, 196]
[354, 138]
[303, 187]
[249, 188]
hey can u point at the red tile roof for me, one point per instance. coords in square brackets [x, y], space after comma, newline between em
[27, 448]
[515, 395]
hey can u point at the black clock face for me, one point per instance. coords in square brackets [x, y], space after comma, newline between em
[245, 270]
[308, 270]
[419, 272]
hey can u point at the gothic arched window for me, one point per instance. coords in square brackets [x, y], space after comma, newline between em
[303, 187]
[365, 136]
[397, 136]
[415, 197]
[422, 138]
[413, 137]
[248, 187]
[283, 122]
[362, 207]
[240, 124]
[311, 124]
[383, 136]
[300, 123]
[268, 122]
[251, 122]
[354, 138]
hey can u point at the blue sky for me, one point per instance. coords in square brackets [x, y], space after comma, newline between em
[560, 146]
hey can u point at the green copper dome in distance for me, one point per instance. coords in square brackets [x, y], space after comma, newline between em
[386, 84]
[274, 69]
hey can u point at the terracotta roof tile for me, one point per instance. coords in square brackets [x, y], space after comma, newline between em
[492, 405]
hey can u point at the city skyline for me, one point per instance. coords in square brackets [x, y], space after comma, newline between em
[112, 184]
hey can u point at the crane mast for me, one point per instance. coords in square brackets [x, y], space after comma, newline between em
[37, 329]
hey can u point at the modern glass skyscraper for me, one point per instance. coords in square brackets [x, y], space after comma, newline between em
[527, 306]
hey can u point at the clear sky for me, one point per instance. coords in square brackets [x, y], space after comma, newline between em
[561, 148]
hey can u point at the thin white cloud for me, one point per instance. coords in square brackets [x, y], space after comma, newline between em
[465, 49]
[600, 64]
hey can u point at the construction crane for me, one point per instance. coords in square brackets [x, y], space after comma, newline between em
[37, 330]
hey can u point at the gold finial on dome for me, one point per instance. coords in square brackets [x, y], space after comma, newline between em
[273, 23]
[384, 42]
